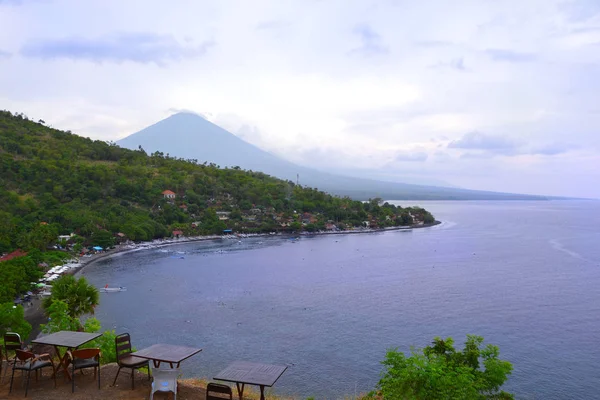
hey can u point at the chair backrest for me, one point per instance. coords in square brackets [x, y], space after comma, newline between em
[165, 380]
[85, 353]
[12, 341]
[23, 355]
[219, 389]
[123, 345]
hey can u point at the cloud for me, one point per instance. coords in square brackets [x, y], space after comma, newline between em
[580, 10]
[481, 141]
[411, 157]
[481, 146]
[433, 43]
[457, 64]
[552, 149]
[272, 25]
[509, 55]
[4, 54]
[371, 43]
[475, 156]
[176, 110]
[141, 48]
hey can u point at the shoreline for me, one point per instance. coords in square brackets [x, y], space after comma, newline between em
[34, 313]
[128, 248]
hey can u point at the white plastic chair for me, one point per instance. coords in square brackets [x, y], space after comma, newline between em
[164, 380]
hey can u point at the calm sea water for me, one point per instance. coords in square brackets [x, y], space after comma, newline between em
[525, 275]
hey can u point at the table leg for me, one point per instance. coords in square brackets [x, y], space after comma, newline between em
[262, 392]
[63, 362]
[240, 390]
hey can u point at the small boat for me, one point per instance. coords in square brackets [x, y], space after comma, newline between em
[107, 289]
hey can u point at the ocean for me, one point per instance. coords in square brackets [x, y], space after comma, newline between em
[524, 275]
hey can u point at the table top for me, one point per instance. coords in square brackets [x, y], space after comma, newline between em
[67, 339]
[251, 373]
[167, 353]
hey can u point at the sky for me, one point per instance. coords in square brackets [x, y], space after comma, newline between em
[491, 95]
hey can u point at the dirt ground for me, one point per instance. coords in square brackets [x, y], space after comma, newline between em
[86, 387]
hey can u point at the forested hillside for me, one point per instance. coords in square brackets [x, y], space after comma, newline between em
[57, 183]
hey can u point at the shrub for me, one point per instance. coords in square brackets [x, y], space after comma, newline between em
[441, 372]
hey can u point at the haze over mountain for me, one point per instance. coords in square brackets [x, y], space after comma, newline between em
[188, 135]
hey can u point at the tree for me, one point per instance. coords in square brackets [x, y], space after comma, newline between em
[428, 218]
[103, 238]
[12, 319]
[60, 320]
[440, 371]
[16, 275]
[79, 296]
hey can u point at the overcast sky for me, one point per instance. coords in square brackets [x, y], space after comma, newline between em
[495, 95]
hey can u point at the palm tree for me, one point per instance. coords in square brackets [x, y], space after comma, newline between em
[80, 297]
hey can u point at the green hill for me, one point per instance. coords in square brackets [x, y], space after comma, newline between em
[57, 183]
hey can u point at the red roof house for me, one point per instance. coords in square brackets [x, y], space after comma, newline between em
[167, 194]
[14, 254]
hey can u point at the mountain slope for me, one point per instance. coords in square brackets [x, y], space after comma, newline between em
[190, 136]
[57, 183]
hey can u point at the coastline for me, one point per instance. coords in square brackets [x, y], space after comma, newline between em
[34, 313]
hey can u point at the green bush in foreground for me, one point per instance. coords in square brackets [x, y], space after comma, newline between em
[440, 371]
[79, 296]
[12, 319]
[60, 320]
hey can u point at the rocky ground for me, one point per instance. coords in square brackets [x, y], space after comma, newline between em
[86, 387]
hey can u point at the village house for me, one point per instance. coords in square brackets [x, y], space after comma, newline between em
[330, 226]
[306, 218]
[169, 195]
[10, 256]
[223, 215]
[66, 238]
[177, 234]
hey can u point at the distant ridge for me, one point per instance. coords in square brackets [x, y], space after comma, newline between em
[190, 136]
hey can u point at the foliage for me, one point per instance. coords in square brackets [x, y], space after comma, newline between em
[60, 320]
[440, 371]
[12, 319]
[103, 239]
[16, 275]
[79, 296]
[55, 183]
[106, 343]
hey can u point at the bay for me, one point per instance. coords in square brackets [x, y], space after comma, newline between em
[525, 275]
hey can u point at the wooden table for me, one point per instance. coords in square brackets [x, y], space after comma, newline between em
[69, 339]
[243, 372]
[167, 353]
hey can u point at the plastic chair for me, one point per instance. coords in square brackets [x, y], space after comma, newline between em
[126, 360]
[218, 389]
[27, 361]
[165, 380]
[84, 358]
[12, 342]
